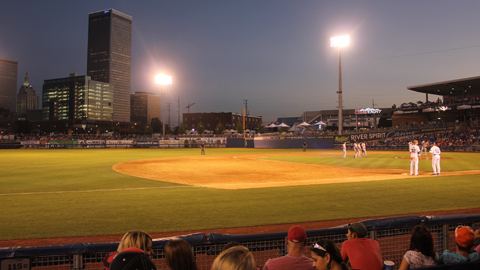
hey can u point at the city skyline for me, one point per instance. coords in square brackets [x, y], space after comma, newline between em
[275, 54]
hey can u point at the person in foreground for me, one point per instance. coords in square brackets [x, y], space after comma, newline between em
[361, 252]
[464, 237]
[132, 259]
[326, 256]
[295, 259]
[132, 239]
[235, 258]
[422, 251]
[179, 255]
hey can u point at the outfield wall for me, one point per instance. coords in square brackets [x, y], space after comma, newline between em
[393, 235]
[281, 143]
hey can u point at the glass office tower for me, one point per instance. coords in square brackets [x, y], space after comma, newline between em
[109, 56]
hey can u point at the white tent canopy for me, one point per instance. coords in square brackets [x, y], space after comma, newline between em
[272, 125]
[283, 125]
[303, 124]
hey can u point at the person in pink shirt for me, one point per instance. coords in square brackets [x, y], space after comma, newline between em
[360, 252]
[295, 259]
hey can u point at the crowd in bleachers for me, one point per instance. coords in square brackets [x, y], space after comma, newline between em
[357, 252]
[450, 139]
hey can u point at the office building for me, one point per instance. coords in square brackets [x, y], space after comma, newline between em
[8, 84]
[27, 98]
[77, 97]
[227, 119]
[144, 106]
[109, 56]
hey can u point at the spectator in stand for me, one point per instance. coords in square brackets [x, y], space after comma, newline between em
[465, 238]
[132, 239]
[295, 259]
[360, 252]
[422, 251]
[477, 236]
[326, 256]
[179, 255]
[132, 259]
[235, 258]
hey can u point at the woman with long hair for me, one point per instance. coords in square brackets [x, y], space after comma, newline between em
[235, 258]
[179, 255]
[326, 256]
[421, 252]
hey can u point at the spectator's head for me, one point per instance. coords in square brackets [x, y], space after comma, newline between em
[132, 259]
[324, 253]
[231, 244]
[297, 236]
[465, 238]
[422, 241]
[356, 230]
[235, 258]
[179, 255]
[136, 239]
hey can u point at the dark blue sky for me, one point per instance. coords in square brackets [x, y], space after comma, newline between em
[274, 53]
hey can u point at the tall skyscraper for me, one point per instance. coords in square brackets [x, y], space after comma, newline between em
[8, 84]
[109, 56]
[77, 97]
[27, 98]
[144, 106]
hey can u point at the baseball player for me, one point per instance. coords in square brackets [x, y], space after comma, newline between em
[344, 147]
[414, 152]
[355, 148]
[424, 147]
[364, 149]
[435, 152]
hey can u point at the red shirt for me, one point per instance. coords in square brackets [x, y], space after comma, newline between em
[362, 253]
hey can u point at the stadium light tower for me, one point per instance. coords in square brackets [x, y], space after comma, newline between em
[339, 42]
[163, 79]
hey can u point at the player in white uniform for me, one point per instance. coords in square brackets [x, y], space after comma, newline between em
[344, 147]
[435, 152]
[424, 147]
[414, 152]
[355, 149]
[364, 149]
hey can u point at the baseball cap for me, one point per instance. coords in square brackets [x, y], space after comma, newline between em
[297, 234]
[464, 236]
[132, 259]
[358, 228]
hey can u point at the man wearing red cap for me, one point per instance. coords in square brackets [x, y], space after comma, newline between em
[295, 259]
[464, 237]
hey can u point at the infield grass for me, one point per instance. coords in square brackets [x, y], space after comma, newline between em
[62, 193]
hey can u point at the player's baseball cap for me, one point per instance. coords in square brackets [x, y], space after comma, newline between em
[358, 228]
[464, 236]
[297, 234]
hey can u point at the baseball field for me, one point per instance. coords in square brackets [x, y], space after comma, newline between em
[58, 193]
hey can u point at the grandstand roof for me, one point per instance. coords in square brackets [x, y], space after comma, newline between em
[450, 88]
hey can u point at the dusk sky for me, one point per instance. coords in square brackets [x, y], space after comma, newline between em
[274, 53]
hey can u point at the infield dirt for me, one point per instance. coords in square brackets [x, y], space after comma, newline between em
[255, 171]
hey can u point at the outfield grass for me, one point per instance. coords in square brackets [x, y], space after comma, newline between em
[61, 193]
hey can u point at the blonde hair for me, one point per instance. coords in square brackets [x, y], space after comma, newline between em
[235, 258]
[136, 239]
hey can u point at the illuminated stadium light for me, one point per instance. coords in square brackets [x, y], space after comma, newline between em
[340, 41]
[163, 79]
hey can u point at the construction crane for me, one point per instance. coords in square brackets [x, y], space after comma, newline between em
[189, 105]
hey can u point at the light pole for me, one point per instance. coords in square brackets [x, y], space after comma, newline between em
[339, 42]
[163, 79]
